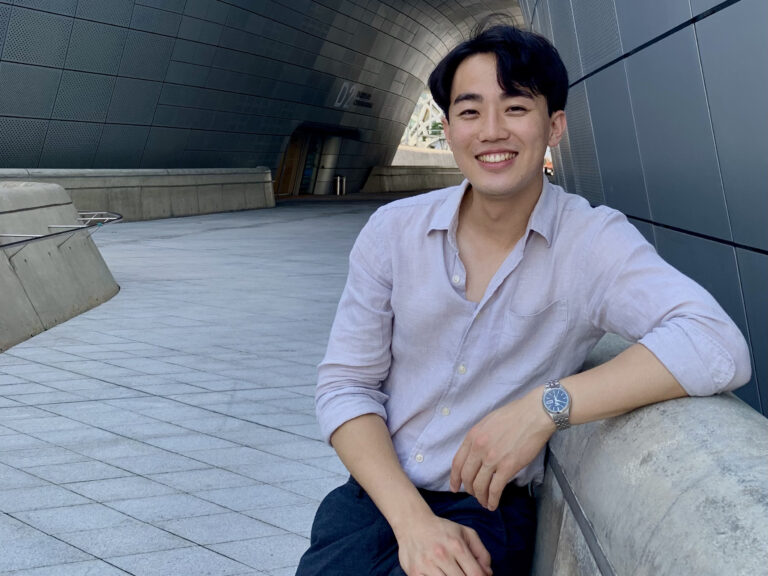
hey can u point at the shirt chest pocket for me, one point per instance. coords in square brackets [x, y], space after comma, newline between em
[529, 340]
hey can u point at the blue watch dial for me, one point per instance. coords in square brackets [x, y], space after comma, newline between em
[555, 400]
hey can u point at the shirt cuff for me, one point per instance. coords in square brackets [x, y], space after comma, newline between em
[335, 410]
[700, 364]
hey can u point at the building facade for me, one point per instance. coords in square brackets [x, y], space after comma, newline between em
[309, 88]
[667, 123]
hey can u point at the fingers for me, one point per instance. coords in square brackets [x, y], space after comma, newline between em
[458, 465]
[495, 489]
[478, 550]
[481, 482]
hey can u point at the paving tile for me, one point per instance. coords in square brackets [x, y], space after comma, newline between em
[330, 463]
[38, 456]
[315, 488]
[38, 498]
[24, 547]
[51, 423]
[158, 463]
[253, 497]
[301, 449]
[125, 539]
[186, 561]
[72, 518]
[297, 519]
[220, 528]
[287, 571]
[205, 479]
[142, 431]
[13, 442]
[189, 442]
[8, 403]
[238, 456]
[76, 471]
[44, 398]
[120, 489]
[167, 507]
[11, 478]
[23, 388]
[266, 553]
[88, 568]
[281, 471]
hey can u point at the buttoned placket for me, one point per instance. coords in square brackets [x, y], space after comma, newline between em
[461, 370]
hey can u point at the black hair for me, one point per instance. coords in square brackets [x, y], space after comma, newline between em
[526, 63]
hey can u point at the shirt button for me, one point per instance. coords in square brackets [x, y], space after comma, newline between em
[419, 458]
[445, 411]
[462, 369]
[456, 278]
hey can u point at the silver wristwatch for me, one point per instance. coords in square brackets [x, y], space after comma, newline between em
[557, 403]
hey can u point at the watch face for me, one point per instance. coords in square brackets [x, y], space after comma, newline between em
[555, 400]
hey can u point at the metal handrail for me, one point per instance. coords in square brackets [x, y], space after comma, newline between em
[90, 221]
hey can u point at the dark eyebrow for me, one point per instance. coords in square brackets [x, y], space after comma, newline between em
[519, 94]
[468, 97]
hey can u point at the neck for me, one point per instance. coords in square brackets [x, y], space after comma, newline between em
[502, 220]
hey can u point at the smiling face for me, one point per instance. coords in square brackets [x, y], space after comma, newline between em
[498, 139]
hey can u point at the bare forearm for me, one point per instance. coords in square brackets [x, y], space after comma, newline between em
[632, 379]
[365, 447]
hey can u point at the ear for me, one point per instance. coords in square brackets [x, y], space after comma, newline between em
[446, 130]
[557, 126]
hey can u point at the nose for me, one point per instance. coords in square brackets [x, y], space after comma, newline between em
[493, 127]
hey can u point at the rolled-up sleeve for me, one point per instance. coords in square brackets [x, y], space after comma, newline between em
[358, 356]
[637, 295]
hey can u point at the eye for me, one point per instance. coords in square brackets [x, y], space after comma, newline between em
[468, 112]
[517, 109]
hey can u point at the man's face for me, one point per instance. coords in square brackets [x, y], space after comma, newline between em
[498, 140]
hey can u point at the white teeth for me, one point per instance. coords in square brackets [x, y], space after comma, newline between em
[492, 158]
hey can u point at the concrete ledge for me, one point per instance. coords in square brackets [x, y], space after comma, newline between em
[675, 488]
[152, 194]
[410, 178]
[46, 281]
[415, 156]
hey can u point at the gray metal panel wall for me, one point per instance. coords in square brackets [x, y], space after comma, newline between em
[678, 126]
[241, 77]
[674, 131]
[737, 87]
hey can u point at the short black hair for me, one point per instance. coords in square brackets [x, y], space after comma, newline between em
[526, 63]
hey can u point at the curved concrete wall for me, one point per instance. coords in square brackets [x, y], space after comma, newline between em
[47, 281]
[151, 194]
[214, 83]
[675, 488]
[411, 179]
[662, 126]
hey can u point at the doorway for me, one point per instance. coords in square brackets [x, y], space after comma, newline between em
[300, 165]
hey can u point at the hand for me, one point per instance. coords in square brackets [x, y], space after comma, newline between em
[499, 446]
[435, 546]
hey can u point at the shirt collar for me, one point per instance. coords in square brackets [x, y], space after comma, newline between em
[542, 220]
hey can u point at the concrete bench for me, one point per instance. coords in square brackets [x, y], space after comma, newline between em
[672, 489]
[49, 279]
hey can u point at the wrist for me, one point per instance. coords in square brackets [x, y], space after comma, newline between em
[409, 517]
[556, 404]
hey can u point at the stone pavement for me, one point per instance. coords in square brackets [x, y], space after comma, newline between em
[171, 431]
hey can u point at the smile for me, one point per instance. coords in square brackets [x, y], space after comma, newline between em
[496, 157]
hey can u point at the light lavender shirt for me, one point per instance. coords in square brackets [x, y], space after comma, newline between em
[406, 343]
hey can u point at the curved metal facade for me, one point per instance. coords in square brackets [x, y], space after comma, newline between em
[219, 83]
[666, 122]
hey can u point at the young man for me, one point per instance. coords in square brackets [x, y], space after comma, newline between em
[466, 316]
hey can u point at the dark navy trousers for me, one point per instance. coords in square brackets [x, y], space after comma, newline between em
[350, 537]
